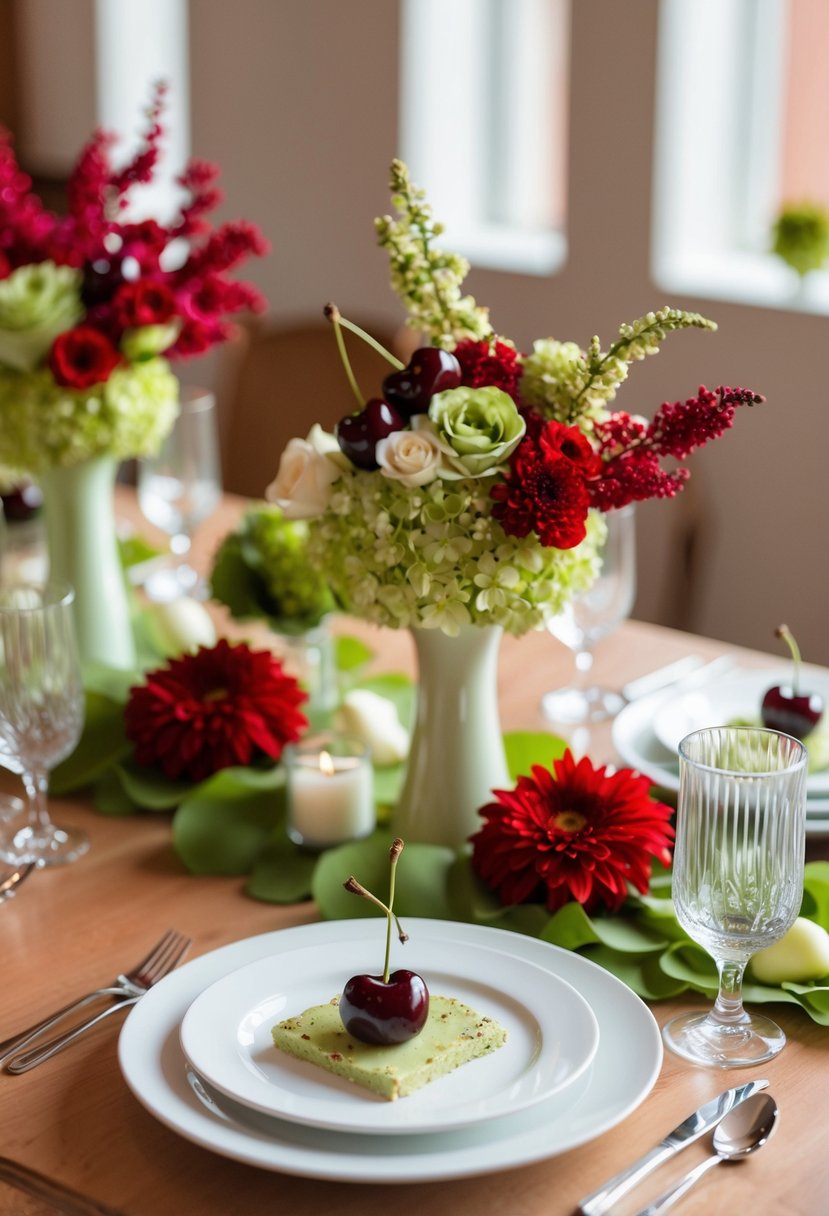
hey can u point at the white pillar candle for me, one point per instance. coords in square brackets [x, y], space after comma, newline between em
[330, 793]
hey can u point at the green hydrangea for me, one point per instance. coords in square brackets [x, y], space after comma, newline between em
[263, 570]
[434, 557]
[45, 426]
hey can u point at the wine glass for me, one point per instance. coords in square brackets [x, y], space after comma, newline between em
[737, 876]
[179, 488]
[41, 711]
[590, 617]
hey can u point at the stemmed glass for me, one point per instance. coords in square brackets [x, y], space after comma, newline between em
[41, 711]
[590, 617]
[179, 488]
[737, 876]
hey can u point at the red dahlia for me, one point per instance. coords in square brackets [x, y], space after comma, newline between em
[576, 833]
[82, 357]
[222, 706]
[545, 491]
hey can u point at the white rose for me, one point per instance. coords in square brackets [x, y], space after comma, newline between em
[180, 627]
[302, 486]
[411, 457]
[373, 720]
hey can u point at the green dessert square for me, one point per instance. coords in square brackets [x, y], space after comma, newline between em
[453, 1035]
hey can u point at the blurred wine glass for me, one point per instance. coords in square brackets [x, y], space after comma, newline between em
[41, 711]
[179, 488]
[591, 616]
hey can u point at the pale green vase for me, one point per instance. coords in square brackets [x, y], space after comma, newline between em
[457, 756]
[83, 550]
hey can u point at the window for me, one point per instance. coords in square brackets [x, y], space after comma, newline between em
[483, 124]
[742, 128]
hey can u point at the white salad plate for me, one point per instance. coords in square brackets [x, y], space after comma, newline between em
[624, 1069]
[552, 1037]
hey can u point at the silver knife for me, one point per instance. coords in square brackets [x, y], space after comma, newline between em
[689, 1130]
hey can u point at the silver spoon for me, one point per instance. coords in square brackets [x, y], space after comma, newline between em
[743, 1130]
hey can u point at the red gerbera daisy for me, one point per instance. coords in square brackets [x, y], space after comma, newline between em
[576, 833]
[203, 712]
[544, 492]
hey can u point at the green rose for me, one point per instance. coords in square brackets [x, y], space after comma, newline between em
[479, 427]
[149, 340]
[37, 303]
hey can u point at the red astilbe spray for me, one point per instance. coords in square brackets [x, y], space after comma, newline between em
[631, 451]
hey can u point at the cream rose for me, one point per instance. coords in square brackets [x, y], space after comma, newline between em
[411, 457]
[302, 486]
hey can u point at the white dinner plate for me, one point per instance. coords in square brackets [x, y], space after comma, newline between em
[733, 697]
[552, 1037]
[635, 741]
[622, 1074]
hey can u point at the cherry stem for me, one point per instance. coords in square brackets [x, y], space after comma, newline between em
[373, 343]
[783, 631]
[357, 888]
[332, 313]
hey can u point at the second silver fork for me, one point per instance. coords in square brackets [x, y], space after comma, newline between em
[165, 955]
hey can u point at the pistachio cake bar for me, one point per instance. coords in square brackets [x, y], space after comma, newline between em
[453, 1035]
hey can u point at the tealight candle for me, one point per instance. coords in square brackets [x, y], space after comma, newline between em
[330, 792]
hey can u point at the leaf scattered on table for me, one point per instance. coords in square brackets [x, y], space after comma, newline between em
[420, 887]
[102, 743]
[223, 826]
[525, 748]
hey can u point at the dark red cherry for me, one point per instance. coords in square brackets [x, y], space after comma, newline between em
[358, 434]
[104, 275]
[792, 713]
[430, 370]
[385, 1013]
[784, 706]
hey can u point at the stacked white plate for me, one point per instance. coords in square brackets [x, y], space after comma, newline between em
[582, 1052]
[647, 733]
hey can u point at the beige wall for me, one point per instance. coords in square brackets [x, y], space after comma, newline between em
[297, 100]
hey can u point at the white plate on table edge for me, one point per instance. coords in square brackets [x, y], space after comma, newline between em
[639, 748]
[733, 696]
[552, 1037]
[624, 1070]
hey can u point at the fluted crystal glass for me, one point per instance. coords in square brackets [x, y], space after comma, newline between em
[41, 712]
[737, 876]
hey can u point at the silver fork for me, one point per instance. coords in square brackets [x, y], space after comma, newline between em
[134, 983]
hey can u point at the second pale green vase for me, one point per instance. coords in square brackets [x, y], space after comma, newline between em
[83, 550]
[457, 751]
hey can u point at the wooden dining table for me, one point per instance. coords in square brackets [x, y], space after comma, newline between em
[74, 1138]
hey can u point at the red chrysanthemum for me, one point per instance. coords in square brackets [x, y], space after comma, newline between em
[81, 357]
[221, 706]
[576, 833]
[491, 362]
[544, 492]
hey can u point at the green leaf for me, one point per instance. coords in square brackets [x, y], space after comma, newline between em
[111, 797]
[816, 892]
[149, 789]
[420, 885]
[223, 826]
[235, 584]
[102, 743]
[641, 972]
[388, 784]
[282, 872]
[351, 653]
[570, 928]
[525, 748]
[133, 550]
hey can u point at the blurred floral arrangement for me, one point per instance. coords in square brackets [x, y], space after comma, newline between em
[800, 236]
[261, 570]
[92, 306]
[472, 490]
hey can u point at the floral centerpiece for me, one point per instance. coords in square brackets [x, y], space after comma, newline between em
[93, 306]
[468, 496]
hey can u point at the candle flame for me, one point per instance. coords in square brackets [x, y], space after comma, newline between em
[326, 764]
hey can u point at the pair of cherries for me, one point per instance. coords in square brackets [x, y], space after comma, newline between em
[406, 392]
